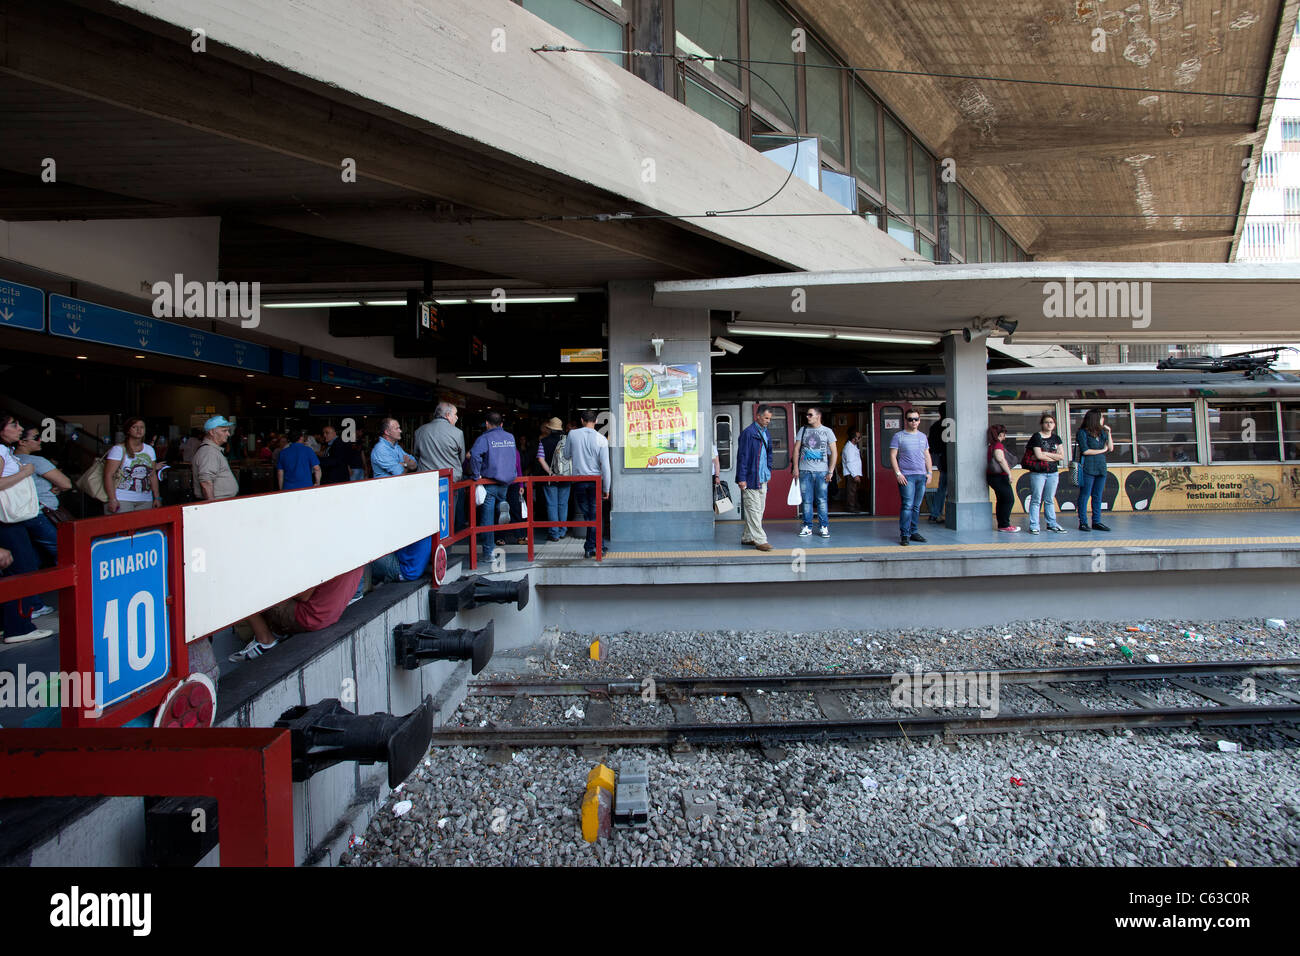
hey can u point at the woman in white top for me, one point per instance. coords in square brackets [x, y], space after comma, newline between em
[130, 472]
[24, 540]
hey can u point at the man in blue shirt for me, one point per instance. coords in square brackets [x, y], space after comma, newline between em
[298, 466]
[388, 458]
[495, 457]
[753, 471]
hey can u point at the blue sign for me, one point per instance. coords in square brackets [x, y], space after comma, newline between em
[444, 496]
[21, 306]
[88, 322]
[128, 594]
[331, 374]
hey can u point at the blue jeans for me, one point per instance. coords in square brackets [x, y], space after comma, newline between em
[1091, 487]
[584, 498]
[938, 504]
[812, 484]
[912, 493]
[557, 506]
[494, 493]
[384, 569]
[1042, 490]
[28, 541]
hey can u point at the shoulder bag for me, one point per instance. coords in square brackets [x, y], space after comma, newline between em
[91, 481]
[19, 502]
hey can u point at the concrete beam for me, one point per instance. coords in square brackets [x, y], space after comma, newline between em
[966, 385]
[1049, 144]
[1065, 246]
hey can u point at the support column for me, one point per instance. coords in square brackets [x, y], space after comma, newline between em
[675, 505]
[966, 384]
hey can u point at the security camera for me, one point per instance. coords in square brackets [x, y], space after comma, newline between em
[659, 346]
[727, 345]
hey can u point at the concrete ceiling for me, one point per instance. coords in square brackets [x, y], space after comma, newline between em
[1052, 161]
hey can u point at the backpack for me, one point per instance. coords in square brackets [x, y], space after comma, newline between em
[560, 465]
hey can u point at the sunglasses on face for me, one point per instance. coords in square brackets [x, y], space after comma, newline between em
[914, 419]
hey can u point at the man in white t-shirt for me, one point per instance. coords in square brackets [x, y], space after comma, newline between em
[852, 459]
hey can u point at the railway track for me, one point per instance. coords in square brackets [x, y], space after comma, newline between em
[899, 704]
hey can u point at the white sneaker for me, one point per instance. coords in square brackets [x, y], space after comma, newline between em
[825, 532]
[251, 650]
[805, 531]
[35, 635]
[41, 611]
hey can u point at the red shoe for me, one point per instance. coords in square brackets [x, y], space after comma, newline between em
[1010, 529]
[192, 703]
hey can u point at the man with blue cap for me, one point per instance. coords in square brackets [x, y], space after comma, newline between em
[213, 478]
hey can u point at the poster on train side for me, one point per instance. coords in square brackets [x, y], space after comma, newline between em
[661, 416]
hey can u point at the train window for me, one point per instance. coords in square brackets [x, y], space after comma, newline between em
[1165, 433]
[722, 438]
[1243, 432]
[891, 423]
[778, 431]
[1291, 431]
[1020, 421]
[1121, 430]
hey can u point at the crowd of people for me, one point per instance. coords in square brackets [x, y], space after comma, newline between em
[915, 457]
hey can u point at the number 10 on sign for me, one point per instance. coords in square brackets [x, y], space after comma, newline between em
[129, 596]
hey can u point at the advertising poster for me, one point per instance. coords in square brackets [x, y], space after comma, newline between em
[660, 416]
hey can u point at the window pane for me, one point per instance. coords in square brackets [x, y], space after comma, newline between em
[922, 184]
[902, 232]
[925, 247]
[972, 222]
[722, 438]
[866, 138]
[591, 29]
[1231, 425]
[713, 107]
[1121, 430]
[986, 238]
[710, 28]
[825, 101]
[770, 38]
[1020, 421]
[777, 431]
[1291, 430]
[956, 228]
[896, 166]
[1165, 433]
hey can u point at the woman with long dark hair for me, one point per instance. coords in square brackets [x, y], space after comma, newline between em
[131, 472]
[23, 539]
[999, 478]
[1094, 441]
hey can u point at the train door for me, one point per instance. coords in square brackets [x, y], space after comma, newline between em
[782, 433]
[886, 422]
[726, 432]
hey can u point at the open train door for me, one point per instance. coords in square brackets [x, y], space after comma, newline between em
[782, 432]
[886, 422]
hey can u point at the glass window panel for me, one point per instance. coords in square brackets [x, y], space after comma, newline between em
[593, 30]
[986, 238]
[710, 28]
[825, 91]
[1020, 421]
[843, 189]
[777, 431]
[891, 418]
[787, 151]
[770, 38]
[866, 138]
[956, 228]
[1232, 425]
[902, 232]
[713, 107]
[925, 247]
[1121, 431]
[896, 166]
[922, 186]
[722, 438]
[971, 219]
[1165, 433]
[1291, 430]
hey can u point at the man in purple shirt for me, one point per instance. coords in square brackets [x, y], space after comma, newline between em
[909, 453]
[495, 457]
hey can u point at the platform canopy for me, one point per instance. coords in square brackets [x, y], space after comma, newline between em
[1049, 302]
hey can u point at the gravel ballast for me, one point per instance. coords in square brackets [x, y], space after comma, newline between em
[1116, 798]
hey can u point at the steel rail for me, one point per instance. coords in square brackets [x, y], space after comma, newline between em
[789, 683]
[826, 731]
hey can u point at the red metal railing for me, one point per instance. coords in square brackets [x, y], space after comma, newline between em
[72, 577]
[473, 529]
[248, 770]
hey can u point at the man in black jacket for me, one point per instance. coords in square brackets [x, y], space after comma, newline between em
[939, 458]
[335, 458]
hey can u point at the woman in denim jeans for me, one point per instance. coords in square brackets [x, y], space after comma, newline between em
[1047, 454]
[1094, 443]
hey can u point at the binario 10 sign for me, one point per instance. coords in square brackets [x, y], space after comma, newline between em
[129, 598]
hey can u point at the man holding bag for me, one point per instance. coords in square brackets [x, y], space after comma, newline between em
[753, 471]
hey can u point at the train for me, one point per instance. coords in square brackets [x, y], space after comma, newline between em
[1184, 440]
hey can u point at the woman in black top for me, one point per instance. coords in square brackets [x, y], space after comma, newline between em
[1043, 456]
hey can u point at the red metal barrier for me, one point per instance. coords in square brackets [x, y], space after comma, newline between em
[72, 579]
[248, 770]
[472, 530]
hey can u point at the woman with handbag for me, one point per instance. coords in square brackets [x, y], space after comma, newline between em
[23, 531]
[999, 477]
[50, 482]
[131, 472]
[1043, 454]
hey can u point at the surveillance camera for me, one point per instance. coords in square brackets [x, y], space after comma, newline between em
[727, 345]
[658, 345]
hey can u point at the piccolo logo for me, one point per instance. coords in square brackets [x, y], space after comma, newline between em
[666, 460]
[638, 382]
[1098, 300]
[946, 689]
[208, 300]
